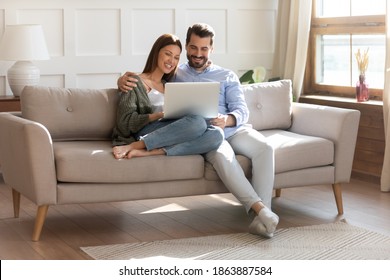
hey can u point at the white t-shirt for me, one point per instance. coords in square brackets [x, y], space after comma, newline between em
[156, 99]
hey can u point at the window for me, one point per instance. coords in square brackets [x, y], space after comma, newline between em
[339, 29]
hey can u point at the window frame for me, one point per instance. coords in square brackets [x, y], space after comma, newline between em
[354, 25]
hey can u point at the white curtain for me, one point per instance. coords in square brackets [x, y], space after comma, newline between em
[292, 41]
[385, 178]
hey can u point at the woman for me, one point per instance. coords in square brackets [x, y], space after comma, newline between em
[139, 130]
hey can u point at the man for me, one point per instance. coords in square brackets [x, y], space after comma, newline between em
[240, 138]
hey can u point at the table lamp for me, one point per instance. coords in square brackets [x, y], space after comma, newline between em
[23, 43]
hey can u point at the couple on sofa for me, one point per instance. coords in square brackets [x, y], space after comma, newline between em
[139, 133]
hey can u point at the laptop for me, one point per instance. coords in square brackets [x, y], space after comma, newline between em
[197, 98]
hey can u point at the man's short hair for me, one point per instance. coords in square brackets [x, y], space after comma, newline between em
[202, 30]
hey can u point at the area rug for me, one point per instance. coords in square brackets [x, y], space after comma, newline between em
[336, 241]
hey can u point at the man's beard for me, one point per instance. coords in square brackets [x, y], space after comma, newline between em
[196, 65]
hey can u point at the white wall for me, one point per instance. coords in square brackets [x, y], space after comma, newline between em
[91, 42]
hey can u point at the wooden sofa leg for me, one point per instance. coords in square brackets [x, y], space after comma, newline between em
[16, 202]
[39, 221]
[278, 192]
[338, 197]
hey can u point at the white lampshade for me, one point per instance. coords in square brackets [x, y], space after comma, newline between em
[23, 43]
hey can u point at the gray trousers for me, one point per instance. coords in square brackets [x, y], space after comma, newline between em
[250, 143]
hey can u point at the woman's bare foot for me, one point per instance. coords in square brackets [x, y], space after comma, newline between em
[121, 151]
[145, 153]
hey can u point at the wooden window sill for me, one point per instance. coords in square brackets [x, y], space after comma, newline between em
[338, 100]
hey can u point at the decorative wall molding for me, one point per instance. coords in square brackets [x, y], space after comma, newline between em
[92, 42]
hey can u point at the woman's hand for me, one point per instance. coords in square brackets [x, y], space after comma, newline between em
[156, 116]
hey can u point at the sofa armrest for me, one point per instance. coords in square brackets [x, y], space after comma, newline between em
[27, 158]
[336, 124]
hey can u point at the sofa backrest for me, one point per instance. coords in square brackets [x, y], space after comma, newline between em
[270, 104]
[70, 114]
[89, 114]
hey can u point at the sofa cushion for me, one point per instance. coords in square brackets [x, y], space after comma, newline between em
[296, 151]
[93, 162]
[292, 152]
[71, 114]
[269, 104]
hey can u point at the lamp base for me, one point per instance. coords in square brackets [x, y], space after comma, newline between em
[21, 74]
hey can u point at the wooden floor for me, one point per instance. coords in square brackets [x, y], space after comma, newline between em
[69, 227]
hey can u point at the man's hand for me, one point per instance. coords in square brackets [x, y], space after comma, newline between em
[223, 121]
[127, 82]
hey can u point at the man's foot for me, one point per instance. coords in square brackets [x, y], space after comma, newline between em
[264, 223]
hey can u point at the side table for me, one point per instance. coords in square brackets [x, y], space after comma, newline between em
[9, 103]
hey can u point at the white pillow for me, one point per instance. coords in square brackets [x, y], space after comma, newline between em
[269, 104]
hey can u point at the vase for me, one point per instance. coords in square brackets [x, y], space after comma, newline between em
[362, 93]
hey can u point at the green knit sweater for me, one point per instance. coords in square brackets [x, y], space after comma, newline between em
[133, 112]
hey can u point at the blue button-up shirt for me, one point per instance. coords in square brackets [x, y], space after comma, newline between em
[231, 97]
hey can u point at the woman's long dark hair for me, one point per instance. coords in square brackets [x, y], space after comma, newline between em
[161, 42]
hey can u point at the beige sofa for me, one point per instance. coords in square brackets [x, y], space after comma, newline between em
[58, 149]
